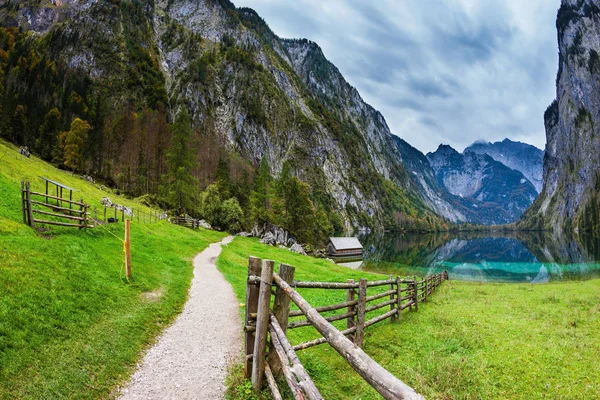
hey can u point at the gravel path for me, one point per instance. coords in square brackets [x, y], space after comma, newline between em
[190, 359]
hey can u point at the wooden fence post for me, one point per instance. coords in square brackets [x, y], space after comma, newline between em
[127, 250]
[254, 268]
[350, 309]
[122, 213]
[104, 213]
[23, 208]
[416, 293]
[115, 207]
[393, 305]
[281, 310]
[85, 213]
[360, 317]
[262, 324]
[398, 298]
[29, 210]
[426, 289]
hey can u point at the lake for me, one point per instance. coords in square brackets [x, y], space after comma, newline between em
[533, 257]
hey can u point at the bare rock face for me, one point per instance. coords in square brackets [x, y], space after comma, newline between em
[489, 191]
[571, 165]
[525, 158]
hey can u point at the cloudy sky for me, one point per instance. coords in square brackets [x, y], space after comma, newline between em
[440, 71]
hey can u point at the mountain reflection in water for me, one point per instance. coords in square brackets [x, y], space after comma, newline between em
[499, 257]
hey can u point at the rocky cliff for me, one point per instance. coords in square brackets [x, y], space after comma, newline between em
[569, 199]
[525, 158]
[491, 192]
[250, 93]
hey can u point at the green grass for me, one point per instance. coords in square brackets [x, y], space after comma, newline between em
[71, 326]
[467, 341]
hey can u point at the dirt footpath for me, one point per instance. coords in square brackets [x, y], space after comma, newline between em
[190, 359]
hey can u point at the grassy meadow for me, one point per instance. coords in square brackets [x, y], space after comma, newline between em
[71, 325]
[467, 341]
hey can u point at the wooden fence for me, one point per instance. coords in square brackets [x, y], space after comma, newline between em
[116, 213]
[64, 212]
[262, 322]
[186, 221]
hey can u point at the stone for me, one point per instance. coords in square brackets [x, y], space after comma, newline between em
[296, 248]
[269, 239]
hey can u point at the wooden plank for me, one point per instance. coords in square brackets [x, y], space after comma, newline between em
[29, 212]
[380, 305]
[281, 307]
[416, 294]
[350, 309]
[338, 285]
[24, 212]
[379, 378]
[398, 299]
[127, 249]
[272, 383]
[262, 325]
[304, 380]
[321, 340]
[380, 295]
[57, 198]
[254, 268]
[392, 294]
[295, 388]
[333, 307]
[331, 318]
[72, 217]
[380, 318]
[359, 336]
[40, 221]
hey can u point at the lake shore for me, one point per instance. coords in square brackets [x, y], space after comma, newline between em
[468, 340]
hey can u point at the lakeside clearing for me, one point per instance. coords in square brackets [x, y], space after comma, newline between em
[71, 326]
[467, 341]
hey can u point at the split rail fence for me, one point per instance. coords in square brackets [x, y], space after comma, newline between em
[64, 212]
[262, 323]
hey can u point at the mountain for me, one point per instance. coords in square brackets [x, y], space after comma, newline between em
[129, 66]
[569, 199]
[494, 193]
[525, 158]
[434, 195]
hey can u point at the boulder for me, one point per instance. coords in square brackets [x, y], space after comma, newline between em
[269, 239]
[25, 151]
[244, 234]
[204, 224]
[296, 248]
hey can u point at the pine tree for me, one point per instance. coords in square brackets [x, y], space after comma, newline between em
[260, 198]
[49, 131]
[181, 186]
[223, 178]
[18, 123]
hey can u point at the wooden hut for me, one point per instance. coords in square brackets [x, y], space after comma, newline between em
[344, 247]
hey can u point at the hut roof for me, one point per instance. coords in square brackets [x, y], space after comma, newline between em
[345, 243]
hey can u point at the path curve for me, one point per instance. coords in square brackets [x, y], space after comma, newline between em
[190, 359]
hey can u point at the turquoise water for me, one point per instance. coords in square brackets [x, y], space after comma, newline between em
[515, 257]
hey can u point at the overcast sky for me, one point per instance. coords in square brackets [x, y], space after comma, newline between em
[440, 71]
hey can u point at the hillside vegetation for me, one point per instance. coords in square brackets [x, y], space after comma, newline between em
[467, 341]
[71, 325]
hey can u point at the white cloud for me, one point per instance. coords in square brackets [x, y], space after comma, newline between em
[451, 71]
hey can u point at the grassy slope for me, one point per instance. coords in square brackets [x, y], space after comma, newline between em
[70, 325]
[468, 341]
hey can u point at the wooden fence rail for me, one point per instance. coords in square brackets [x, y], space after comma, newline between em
[262, 322]
[116, 213]
[65, 212]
